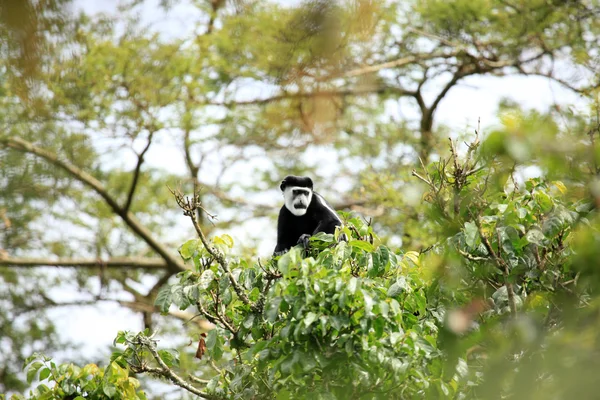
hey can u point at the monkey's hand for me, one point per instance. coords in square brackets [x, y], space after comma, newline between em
[304, 239]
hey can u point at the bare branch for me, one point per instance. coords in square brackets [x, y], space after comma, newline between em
[125, 262]
[556, 79]
[136, 174]
[415, 174]
[394, 64]
[193, 168]
[459, 74]
[308, 95]
[21, 145]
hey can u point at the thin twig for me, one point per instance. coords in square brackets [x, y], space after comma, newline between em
[472, 257]
[215, 319]
[415, 174]
[198, 380]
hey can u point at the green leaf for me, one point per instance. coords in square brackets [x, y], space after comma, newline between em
[44, 373]
[368, 302]
[323, 237]
[395, 337]
[471, 234]
[120, 338]
[359, 244]
[228, 240]
[272, 309]
[211, 340]
[170, 357]
[212, 384]
[395, 307]
[188, 249]
[384, 309]
[308, 362]
[522, 212]
[33, 369]
[287, 260]
[191, 293]
[544, 201]
[206, 279]
[248, 321]
[42, 389]
[394, 290]
[536, 236]
[226, 297]
[109, 390]
[310, 318]
[378, 327]
[178, 297]
[352, 285]
[412, 256]
[163, 299]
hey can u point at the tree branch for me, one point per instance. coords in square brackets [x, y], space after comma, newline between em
[136, 174]
[215, 319]
[308, 95]
[459, 74]
[167, 372]
[220, 258]
[193, 168]
[21, 145]
[189, 207]
[136, 306]
[124, 263]
[400, 62]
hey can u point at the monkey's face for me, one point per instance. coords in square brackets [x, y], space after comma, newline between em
[297, 199]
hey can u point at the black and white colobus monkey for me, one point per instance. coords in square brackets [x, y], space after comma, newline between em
[303, 214]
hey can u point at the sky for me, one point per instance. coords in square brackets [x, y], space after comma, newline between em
[476, 98]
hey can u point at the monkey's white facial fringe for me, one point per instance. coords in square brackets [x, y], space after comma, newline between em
[297, 204]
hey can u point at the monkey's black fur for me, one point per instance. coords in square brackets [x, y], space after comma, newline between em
[319, 217]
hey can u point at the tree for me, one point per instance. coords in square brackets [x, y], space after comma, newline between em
[495, 309]
[110, 88]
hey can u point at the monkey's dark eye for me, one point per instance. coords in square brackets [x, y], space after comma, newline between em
[298, 192]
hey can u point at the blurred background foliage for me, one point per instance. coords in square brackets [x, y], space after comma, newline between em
[101, 112]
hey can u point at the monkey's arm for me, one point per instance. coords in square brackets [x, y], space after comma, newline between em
[327, 226]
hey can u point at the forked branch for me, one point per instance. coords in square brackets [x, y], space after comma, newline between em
[90, 181]
[190, 205]
[164, 371]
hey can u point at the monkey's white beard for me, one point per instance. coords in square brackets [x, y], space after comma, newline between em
[291, 201]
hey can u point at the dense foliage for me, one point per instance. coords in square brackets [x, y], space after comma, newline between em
[500, 306]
